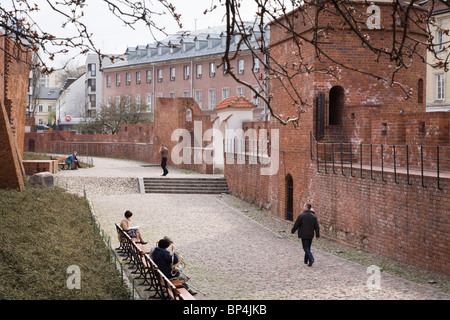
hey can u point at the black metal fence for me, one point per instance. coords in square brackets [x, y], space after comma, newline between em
[343, 158]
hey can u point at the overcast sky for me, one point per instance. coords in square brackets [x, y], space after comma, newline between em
[111, 36]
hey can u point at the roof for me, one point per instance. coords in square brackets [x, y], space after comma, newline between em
[239, 102]
[182, 45]
[47, 93]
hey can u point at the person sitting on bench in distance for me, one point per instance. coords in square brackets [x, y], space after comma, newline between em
[133, 232]
[73, 159]
[166, 262]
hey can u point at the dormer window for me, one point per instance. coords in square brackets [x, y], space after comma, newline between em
[149, 52]
[159, 50]
[183, 47]
[138, 53]
[171, 49]
[210, 43]
[197, 45]
[223, 40]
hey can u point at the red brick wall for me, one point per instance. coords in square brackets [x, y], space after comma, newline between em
[138, 142]
[405, 222]
[14, 73]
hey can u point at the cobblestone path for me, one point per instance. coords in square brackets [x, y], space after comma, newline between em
[227, 254]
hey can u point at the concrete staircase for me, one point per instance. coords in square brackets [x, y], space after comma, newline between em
[185, 185]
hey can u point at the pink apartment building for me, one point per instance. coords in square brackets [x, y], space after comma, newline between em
[187, 64]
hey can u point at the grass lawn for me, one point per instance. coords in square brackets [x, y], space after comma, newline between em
[44, 231]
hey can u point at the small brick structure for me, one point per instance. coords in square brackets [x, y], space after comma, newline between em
[35, 166]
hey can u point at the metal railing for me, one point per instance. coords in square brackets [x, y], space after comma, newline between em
[131, 287]
[426, 161]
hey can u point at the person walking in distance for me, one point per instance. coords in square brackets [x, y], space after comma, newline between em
[307, 224]
[164, 153]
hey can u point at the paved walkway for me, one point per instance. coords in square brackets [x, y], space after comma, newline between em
[227, 254]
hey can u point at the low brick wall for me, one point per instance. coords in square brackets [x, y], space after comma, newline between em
[34, 166]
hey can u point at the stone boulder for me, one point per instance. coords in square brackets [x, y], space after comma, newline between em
[43, 178]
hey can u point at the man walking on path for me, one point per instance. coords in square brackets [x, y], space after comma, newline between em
[164, 153]
[307, 224]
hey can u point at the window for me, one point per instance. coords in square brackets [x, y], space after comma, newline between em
[172, 95]
[127, 103]
[108, 103]
[225, 93]
[117, 79]
[199, 71]
[197, 45]
[212, 98]
[440, 90]
[186, 72]
[212, 70]
[223, 40]
[240, 91]
[225, 67]
[188, 115]
[149, 102]
[91, 69]
[118, 104]
[91, 84]
[440, 40]
[138, 100]
[255, 65]
[198, 97]
[255, 97]
[92, 98]
[172, 74]
[138, 77]
[108, 80]
[41, 108]
[240, 66]
[160, 75]
[128, 78]
[49, 108]
[420, 91]
[149, 76]
[185, 94]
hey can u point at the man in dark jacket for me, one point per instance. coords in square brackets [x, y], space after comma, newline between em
[307, 224]
[163, 259]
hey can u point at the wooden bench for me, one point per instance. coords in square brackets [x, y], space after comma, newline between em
[138, 258]
[62, 164]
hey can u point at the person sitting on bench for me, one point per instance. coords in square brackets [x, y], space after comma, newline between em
[73, 162]
[133, 232]
[166, 261]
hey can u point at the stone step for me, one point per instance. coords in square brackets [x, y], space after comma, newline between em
[185, 185]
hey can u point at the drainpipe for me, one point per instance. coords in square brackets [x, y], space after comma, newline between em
[192, 78]
[153, 93]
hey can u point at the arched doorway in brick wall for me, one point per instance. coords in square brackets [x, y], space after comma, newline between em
[289, 198]
[31, 145]
[336, 105]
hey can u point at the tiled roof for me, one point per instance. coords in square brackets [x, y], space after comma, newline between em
[239, 102]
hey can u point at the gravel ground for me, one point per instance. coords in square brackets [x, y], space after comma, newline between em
[234, 250]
